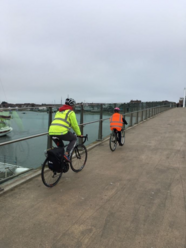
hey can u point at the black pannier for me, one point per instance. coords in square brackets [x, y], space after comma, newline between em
[55, 158]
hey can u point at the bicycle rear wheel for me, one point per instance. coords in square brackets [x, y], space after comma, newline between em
[113, 141]
[49, 177]
[122, 137]
[78, 158]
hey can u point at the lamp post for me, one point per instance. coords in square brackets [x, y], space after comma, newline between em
[184, 98]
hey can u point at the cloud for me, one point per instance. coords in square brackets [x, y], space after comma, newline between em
[104, 51]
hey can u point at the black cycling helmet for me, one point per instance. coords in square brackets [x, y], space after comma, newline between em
[70, 102]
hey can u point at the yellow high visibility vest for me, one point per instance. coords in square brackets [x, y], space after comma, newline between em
[60, 125]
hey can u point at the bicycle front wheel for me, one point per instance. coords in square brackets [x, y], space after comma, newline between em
[78, 158]
[122, 137]
[113, 141]
[49, 177]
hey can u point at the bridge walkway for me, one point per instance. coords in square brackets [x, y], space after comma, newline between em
[134, 197]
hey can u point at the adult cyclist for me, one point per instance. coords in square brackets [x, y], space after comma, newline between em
[64, 120]
[116, 122]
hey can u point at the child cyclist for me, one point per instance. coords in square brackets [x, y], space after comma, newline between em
[116, 122]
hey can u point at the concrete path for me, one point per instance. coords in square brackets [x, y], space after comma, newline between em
[134, 197]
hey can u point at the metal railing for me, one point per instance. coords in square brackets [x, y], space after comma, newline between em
[134, 118]
[150, 112]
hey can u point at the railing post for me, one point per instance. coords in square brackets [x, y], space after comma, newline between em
[100, 134]
[81, 119]
[81, 122]
[141, 115]
[49, 140]
[137, 117]
[131, 116]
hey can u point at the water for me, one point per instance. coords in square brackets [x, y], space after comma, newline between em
[30, 153]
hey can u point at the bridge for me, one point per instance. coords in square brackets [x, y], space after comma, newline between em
[134, 197]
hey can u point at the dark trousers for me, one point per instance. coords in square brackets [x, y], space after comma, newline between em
[72, 138]
[118, 135]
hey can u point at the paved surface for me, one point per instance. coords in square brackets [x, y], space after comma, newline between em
[134, 197]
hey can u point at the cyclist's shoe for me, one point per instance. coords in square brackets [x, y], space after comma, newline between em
[67, 157]
[120, 144]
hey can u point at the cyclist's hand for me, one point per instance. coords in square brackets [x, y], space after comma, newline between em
[80, 136]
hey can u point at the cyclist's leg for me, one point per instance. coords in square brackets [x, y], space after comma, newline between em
[119, 136]
[72, 138]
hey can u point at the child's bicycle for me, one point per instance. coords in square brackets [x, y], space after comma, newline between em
[114, 139]
[77, 162]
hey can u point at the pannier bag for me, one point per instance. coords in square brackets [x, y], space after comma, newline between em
[55, 158]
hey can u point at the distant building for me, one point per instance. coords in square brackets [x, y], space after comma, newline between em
[135, 101]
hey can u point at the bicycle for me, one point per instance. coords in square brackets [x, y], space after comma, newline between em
[77, 162]
[114, 139]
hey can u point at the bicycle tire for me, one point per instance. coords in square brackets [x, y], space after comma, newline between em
[113, 141]
[122, 137]
[78, 158]
[49, 177]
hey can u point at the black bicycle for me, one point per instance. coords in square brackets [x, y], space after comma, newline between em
[114, 139]
[77, 162]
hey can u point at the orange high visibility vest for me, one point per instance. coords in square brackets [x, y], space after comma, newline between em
[116, 121]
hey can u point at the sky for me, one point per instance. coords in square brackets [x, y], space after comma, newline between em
[108, 51]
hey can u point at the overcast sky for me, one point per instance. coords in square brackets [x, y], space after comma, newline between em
[92, 51]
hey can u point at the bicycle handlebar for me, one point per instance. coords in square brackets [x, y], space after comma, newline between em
[83, 137]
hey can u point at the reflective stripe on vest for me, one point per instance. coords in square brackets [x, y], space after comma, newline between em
[60, 126]
[64, 120]
[116, 122]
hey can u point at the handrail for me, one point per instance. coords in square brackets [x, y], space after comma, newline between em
[84, 124]
[26, 138]
[79, 104]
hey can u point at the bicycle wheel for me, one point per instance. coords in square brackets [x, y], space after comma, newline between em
[78, 158]
[49, 177]
[113, 141]
[122, 137]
